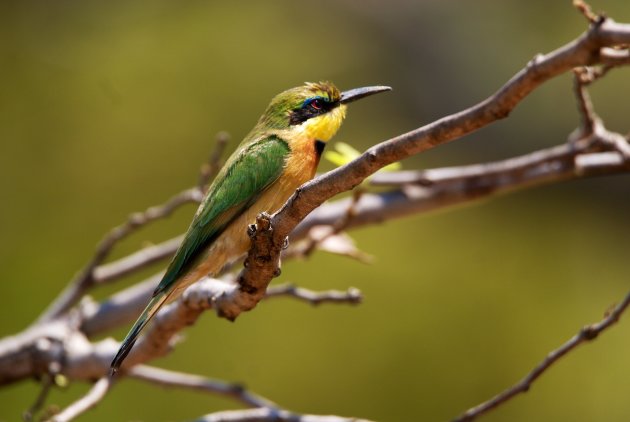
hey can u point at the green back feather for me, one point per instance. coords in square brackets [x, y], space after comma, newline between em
[241, 182]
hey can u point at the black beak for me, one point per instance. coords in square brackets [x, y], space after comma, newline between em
[357, 93]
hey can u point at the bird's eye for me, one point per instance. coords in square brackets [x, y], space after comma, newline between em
[316, 104]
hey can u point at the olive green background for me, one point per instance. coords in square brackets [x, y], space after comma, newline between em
[109, 107]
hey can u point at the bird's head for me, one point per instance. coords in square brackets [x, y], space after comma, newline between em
[314, 109]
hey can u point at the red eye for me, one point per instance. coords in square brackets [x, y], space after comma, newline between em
[316, 104]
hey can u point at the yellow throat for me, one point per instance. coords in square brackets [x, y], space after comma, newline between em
[325, 126]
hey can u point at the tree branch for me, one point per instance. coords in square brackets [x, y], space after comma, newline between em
[32, 352]
[587, 333]
[352, 295]
[582, 52]
[420, 191]
[175, 379]
[429, 190]
[92, 274]
[85, 279]
[136, 261]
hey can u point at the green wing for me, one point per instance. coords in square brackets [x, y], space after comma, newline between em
[240, 183]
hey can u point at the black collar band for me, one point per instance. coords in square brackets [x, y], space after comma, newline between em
[319, 147]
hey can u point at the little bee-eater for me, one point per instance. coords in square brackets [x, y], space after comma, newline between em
[275, 158]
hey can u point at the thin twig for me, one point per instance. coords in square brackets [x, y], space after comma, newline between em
[581, 77]
[195, 382]
[85, 403]
[587, 333]
[85, 278]
[337, 227]
[136, 261]
[91, 274]
[352, 295]
[343, 223]
[271, 415]
[585, 9]
[46, 385]
[210, 168]
[119, 309]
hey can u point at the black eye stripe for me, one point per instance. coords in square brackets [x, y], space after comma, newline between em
[316, 104]
[311, 107]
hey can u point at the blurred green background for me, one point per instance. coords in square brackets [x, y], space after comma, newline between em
[109, 107]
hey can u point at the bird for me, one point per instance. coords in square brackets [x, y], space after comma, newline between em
[278, 155]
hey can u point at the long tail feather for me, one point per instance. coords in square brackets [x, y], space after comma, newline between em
[154, 304]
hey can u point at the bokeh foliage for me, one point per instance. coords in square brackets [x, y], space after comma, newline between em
[109, 107]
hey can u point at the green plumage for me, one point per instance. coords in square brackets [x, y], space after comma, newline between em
[236, 188]
[246, 175]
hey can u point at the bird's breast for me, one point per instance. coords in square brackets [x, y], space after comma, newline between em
[300, 167]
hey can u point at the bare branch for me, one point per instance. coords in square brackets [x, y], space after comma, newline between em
[581, 52]
[124, 307]
[265, 260]
[119, 309]
[136, 261]
[60, 347]
[600, 162]
[420, 191]
[175, 379]
[271, 415]
[336, 228]
[224, 296]
[85, 278]
[614, 57]
[352, 295]
[92, 274]
[587, 333]
[429, 190]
